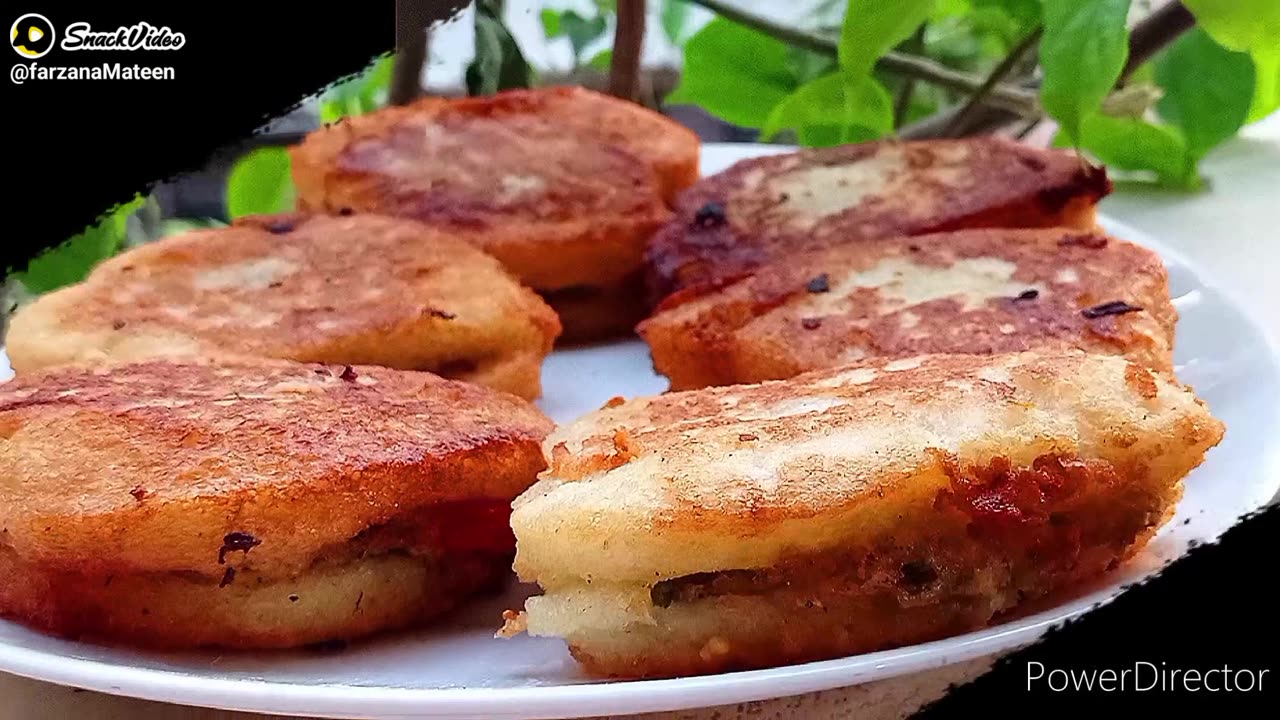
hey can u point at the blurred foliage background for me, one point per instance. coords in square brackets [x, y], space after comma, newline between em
[1146, 87]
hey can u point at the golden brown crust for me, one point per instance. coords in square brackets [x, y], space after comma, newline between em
[969, 569]
[326, 604]
[880, 504]
[563, 185]
[363, 289]
[183, 466]
[782, 204]
[968, 291]
[750, 473]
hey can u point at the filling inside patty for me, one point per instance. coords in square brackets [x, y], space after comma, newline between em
[1002, 533]
[401, 572]
[438, 531]
[990, 539]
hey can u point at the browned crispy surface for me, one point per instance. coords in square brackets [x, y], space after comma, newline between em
[262, 466]
[747, 473]
[875, 505]
[364, 289]
[970, 291]
[328, 604]
[563, 185]
[778, 205]
[996, 537]
[1053, 527]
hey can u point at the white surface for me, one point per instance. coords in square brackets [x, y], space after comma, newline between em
[459, 670]
[1232, 229]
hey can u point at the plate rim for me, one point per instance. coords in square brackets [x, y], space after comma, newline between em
[603, 697]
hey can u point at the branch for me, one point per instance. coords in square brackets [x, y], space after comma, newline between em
[1014, 99]
[1154, 33]
[789, 35]
[998, 73]
[411, 53]
[1148, 37]
[936, 124]
[902, 104]
[406, 72]
[628, 40]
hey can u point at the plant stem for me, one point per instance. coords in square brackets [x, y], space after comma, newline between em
[902, 104]
[1027, 127]
[789, 35]
[1148, 37]
[1007, 97]
[1154, 33]
[998, 73]
[1016, 100]
[411, 53]
[628, 39]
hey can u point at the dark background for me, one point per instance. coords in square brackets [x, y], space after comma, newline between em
[1216, 606]
[77, 148]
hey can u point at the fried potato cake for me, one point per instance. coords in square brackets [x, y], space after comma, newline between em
[363, 289]
[253, 503]
[969, 291]
[562, 184]
[596, 313]
[772, 207]
[881, 504]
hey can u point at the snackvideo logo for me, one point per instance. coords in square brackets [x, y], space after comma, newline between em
[32, 36]
[139, 36]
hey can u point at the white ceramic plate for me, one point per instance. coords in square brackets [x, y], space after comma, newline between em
[458, 669]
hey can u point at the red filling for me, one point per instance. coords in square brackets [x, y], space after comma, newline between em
[1025, 506]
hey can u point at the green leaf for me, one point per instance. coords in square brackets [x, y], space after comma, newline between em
[1239, 24]
[581, 31]
[1133, 144]
[551, 23]
[376, 81]
[926, 99]
[735, 73]
[1251, 26]
[996, 31]
[71, 261]
[675, 19]
[1266, 96]
[339, 102]
[833, 109]
[1025, 12]
[976, 36]
[1083, 50]
[1144, 73]
[944, 9]
[260, 183]
[1207, 91]
[952, 42]
[363, 93]
[498, 64]
[601, 60]
[806, 65]
[873, 27]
